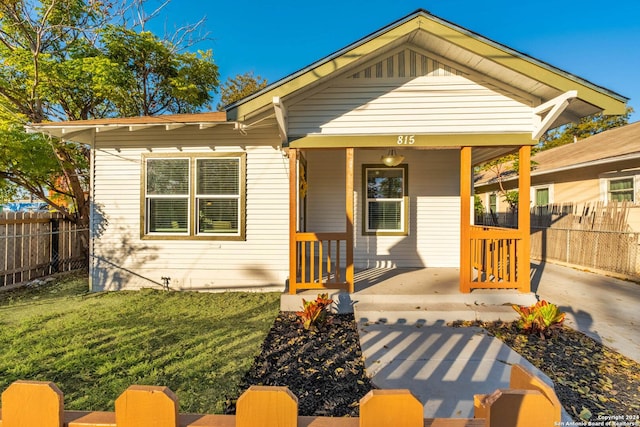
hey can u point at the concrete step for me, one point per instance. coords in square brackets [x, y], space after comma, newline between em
[431, 313]
[345, 302]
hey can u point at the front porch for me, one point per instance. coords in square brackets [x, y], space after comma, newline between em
[434, 226]
[415, 295]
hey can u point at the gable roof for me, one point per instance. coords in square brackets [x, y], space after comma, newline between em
[458, 44]
[469, 52]
[618, 144]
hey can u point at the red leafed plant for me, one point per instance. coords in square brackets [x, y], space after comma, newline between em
[542, 318]
[314, 313]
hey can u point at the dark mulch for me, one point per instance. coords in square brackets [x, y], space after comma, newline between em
[590, 379]
[323, 368]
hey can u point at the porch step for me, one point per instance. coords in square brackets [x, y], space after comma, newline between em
[478, 305]
[430, 314]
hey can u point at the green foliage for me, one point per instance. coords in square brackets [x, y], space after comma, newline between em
[586, 127]
[478, 207]
[239, 87]
[541, 319]
[511, 197]
[151, 77]
[93, 346]
[314, 313]
[68, 60]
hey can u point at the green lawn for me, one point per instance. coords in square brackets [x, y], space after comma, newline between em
[93, 346]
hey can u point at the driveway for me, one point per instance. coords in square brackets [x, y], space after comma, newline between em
[602, 307]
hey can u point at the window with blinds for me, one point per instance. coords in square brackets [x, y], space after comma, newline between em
[621, 190]
[385, 205]
[194, 196]
[218, 195]
[167, 196]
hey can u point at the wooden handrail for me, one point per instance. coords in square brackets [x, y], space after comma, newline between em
[494, 254]
[319, 260]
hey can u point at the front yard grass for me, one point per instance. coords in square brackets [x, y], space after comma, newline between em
[95, 345]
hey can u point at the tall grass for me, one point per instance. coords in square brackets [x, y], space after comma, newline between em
[93, 346]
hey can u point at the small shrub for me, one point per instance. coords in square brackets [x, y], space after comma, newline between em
[542, 318]
[314, 313]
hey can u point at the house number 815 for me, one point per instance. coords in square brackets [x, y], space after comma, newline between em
[406, 139]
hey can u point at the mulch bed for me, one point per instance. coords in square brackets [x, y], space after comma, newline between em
[590, 379]
[323, 368]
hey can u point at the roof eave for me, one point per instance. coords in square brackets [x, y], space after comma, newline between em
[603, 99]
[631, 156]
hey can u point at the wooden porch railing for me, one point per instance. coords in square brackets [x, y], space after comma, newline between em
[528, 403]
[494, 257]
[323, 262]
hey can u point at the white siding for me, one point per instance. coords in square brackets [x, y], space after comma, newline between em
[122, 260]
[425, 104]
[434, 207]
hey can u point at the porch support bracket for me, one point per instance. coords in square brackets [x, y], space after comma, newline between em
[281, 118]
[551, 110]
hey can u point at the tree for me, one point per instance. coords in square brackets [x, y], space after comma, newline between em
[238, 87]
[586, 127]
[67, 60]
[501, 169]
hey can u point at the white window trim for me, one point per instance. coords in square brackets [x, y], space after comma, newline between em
[606, 178]
[532, 194]
[404, 228]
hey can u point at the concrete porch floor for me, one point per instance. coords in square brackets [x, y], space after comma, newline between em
[409, 294]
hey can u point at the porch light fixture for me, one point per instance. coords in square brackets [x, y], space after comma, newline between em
[392, 158]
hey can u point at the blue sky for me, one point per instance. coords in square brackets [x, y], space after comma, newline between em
[597, 41]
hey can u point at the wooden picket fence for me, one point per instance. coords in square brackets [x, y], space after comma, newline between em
[529, 402]
[38, 244]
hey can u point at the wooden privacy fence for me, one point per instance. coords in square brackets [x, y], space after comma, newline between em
[614, 251]
[34, 245]
[529, 402]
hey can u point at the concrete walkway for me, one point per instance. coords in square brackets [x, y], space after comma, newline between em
[444, 366]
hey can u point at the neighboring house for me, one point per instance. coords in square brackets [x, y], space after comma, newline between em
[602, 168]
[362, 159]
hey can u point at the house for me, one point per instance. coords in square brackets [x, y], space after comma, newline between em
[361, 159]
[602, 168]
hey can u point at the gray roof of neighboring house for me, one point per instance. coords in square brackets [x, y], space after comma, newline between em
[622, 143]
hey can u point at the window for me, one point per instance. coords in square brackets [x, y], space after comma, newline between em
[385, 207]
[620, 190]
[541, 196]
[194, 196]
[493, 203]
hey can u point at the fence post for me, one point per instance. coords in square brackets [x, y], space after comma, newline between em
[529, 402]
[516, 408]
[397, 408]
[262, 406]
[55, 245]
[32, 404]
[147, 406]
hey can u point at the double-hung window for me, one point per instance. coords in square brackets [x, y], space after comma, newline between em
[621, 190]
[385, 204]
[194, 196]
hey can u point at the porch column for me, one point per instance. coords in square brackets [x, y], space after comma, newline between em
[524, 220]
[293, 220]
[465, 222]
[349, 217]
